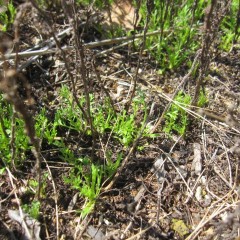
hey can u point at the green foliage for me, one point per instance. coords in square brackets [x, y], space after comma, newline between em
[202, 100]
[121, 124]
[45, 128]
[32, 209]
[7, 15]
[5, 112]
[68, 114]
[86, 177]
[176, 118]
[228, 27]
[125, 128]
[2, 170]
[179, 23]
[20, 140]
[33, 185]
[111, 166]
[103, 116]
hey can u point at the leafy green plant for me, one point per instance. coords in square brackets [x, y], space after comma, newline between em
[5, 131]
[179, 22]
[20, 140]
[230, 31]
[202, 100]
[103, 116]
[176, 118]
[111, 166]
[7, 15]
[126, 128]
[32, 209]
[69, 115]
[33, 185]
[86, 177]
[122, 124]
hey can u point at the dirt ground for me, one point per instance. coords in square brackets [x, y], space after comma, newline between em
[175, 188]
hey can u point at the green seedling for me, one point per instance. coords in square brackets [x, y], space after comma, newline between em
[230, 33]
[176, 117]
[125, 128]
[8, 124]
[122, 125]
[87, 179]
[33, 209]
[45, 129]
[180, 24]
[7, 15]
[86, 176]
[5, 131]
[69, 115]
[33, 185]
[202, 99]
[111, 166]
[103, 116]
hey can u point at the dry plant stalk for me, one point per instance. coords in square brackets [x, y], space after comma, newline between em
[63, 54]
[71, 12]
[8, 85]
[215, 13]
[181, 85]
[150, 7]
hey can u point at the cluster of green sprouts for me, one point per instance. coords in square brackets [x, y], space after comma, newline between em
[181, 23]
[86, 175]
[7, 15]
[230, 27]
[177, 118]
